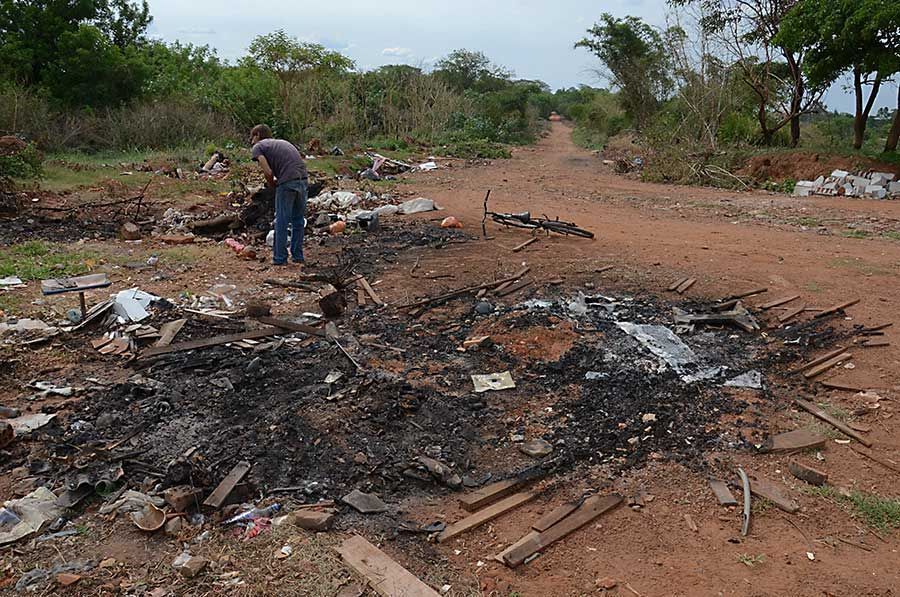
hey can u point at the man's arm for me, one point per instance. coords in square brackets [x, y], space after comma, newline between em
[267, 170]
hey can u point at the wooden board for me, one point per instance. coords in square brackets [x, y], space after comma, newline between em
[835, 309]
[824, 416]
[294, 327]
[385, 576]
[875, 344]
[557, 514]
[785, 317]
[528, 537]
[820, 369]
[591, 508]
[223, 489]
[749, 293]
[484, 516]
[78, 284]
[605, 268]
[370, 291]
[686, 286]
[818, 361]
[361, 296]
[774, 492]
[811, 475]
[722, 493]
[835, 384]
[514, 288]
[490, 494]
[778, 302]
[168, 331]
[794, 441]
[207, 342]
[676, 284]
[528, 242]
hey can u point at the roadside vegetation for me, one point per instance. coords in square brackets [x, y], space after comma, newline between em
[721, 82]
[727, 79]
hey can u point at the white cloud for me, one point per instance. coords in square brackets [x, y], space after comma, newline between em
[397, 52]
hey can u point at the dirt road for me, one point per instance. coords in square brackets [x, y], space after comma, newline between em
[731, 242]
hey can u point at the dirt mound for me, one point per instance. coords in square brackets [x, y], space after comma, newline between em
[800, 165]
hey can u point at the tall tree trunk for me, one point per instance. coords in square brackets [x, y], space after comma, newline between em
[797, 94]
[894, 133]
[764, 131]
[861, 117]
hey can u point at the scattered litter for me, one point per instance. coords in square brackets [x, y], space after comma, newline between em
[493, 382]
[415, 206]
[27, 516]
[536, 448]
[27, 423]
[451, 222]
[752, 380]
[131, 305]
[663, 343]
[366, 503]
[11, 281]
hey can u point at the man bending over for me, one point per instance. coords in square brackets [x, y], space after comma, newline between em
[285, 170]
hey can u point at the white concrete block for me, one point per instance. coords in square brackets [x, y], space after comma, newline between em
[840, 175]
[887, 176]
[803, 188]
[876, 191]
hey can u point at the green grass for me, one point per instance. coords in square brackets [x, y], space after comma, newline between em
[861, 266]
[808, 221]
[751, 561]
[876, 511]
[856, 234]
[11, 302]
[38, 260]
[813, 287]
[892, 234]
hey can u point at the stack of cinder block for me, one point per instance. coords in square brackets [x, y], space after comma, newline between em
[874, 185]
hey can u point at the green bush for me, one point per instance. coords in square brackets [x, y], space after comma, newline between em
[26, 163]
[738, 129]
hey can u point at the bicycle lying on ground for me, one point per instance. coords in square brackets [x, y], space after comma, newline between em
[524, 220]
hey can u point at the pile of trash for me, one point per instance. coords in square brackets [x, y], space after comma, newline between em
[874, 185]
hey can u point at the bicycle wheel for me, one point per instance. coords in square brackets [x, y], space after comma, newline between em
[566, 228]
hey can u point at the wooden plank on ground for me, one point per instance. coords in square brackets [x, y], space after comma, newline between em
[528, 537]
[778, 302]
[836, 384]
[490, 493]
[168, 331]
[722, 493]
[875, 344]
[360, 296]
[591, 508]
[818, 361]
[385, 576]
[557, 514]
[747, 294]
[824, 416]
[528, 242]
[792, 313]
[820, 369]
[686, 286]
[484, 516]
[794, 441]
[811, 475]
[776, 493]
[677, 283]
[294, 327]
[603, 269]
[878, 328]
[876, 458]
[514, 288]
[207, 342]
[370, 291]
[835, 309]
[223, 489]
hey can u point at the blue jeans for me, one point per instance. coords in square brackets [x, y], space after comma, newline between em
[290, 208]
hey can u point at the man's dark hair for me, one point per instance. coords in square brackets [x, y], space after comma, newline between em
[262, 131]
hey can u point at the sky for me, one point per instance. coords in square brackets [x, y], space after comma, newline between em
[534, 39]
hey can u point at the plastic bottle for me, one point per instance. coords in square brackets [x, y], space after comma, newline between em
[254, 514]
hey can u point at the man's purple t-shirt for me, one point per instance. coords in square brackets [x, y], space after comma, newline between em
[283, 159]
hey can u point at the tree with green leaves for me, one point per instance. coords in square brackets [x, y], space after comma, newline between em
[464, 69]
[860, 36]
[749, 31]
[293, 62]
[85, 51]
[636, 62]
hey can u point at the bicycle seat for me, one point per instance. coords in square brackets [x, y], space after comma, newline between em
[524, 216]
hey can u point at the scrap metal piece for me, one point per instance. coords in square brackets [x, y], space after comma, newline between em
[745, 481]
